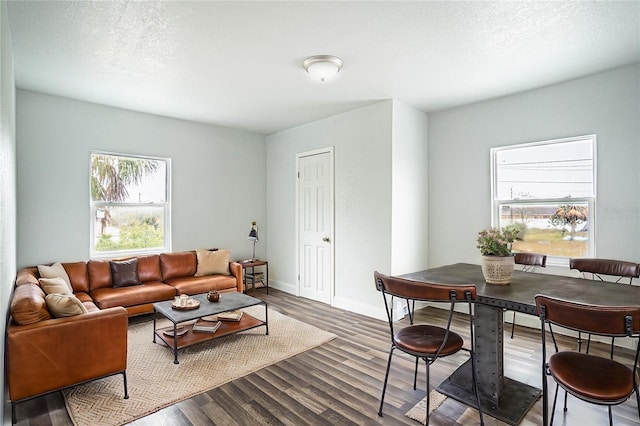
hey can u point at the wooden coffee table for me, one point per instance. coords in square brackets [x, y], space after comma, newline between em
[228, 302]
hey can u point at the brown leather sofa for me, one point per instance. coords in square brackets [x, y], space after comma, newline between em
[44, 354]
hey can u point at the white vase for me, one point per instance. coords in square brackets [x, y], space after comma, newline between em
[497, 269]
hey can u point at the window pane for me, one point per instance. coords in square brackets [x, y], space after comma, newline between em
[128, 228]
[545, 171]
[554, 229]
[128, 179]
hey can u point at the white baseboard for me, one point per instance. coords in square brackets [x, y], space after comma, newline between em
[283, 286]
[360, 308]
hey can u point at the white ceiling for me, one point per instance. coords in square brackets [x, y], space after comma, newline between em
[238, 63]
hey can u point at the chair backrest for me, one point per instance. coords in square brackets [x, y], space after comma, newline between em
[531, 260]
[593, 319]
[597, 267]
[424, 291]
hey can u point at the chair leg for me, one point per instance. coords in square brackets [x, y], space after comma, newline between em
[553, 337]
[610, 416]
[545, 396]
[124, 380]
[580, 342]
[553, 409]
[427, 388]
[475, 387]
[415, 376]
[410, 311]
[386, 377]
[613, 339]
[513, 323]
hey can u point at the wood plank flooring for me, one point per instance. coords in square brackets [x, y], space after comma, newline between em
[339, 383]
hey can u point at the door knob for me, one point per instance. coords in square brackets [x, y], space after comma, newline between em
[326, 239]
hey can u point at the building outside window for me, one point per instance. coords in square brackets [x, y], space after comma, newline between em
[549, 188]
[130, 205]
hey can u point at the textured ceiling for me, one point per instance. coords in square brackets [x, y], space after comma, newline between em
[238, 63]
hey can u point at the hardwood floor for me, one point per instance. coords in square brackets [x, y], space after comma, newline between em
[339, 383]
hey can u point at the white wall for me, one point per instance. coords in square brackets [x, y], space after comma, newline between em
[362, 240]
[7, 185]
[410, 200]
[380, 198]
[218, 184]
[607, 104]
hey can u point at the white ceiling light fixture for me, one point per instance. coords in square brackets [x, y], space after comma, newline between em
[322, 67]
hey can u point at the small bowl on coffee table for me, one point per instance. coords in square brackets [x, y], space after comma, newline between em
[213, 296]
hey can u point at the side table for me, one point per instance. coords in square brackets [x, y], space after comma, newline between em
[250, 274]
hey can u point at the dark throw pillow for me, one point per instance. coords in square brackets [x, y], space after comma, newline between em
[124, 273]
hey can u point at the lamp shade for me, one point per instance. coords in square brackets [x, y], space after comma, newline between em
[253, 233]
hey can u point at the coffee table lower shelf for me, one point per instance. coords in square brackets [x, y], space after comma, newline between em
[191, 337]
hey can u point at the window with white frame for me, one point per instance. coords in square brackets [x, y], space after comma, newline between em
[130, 205]
[549, 189]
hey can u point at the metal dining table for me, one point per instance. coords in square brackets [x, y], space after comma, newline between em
[503, 398]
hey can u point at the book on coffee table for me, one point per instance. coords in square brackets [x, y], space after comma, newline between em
[225, 316]
[206, 326]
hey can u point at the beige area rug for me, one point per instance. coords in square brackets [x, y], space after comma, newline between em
[155, 382]
[419, 411]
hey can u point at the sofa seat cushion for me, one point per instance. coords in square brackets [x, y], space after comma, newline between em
[150, 292]
[87, 301]
[28, 305]
[196, 285]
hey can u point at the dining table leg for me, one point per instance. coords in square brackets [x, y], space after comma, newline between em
[501, 397]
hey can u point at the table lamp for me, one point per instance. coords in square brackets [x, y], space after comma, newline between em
[253, 236]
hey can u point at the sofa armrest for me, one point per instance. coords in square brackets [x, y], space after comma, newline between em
[61, 352]
[236, 270]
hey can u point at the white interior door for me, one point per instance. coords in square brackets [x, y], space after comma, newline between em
[315, 225]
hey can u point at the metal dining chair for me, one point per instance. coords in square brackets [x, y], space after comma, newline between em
[591, 378]
[426, 341]
[596, 269]
[528, 262]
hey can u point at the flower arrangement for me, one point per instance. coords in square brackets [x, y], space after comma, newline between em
[497, 242]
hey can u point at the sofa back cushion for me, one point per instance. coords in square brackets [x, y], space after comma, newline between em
[149, 268]
[176, 265]
[99, 274]
[77, 272]
[28, 305]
